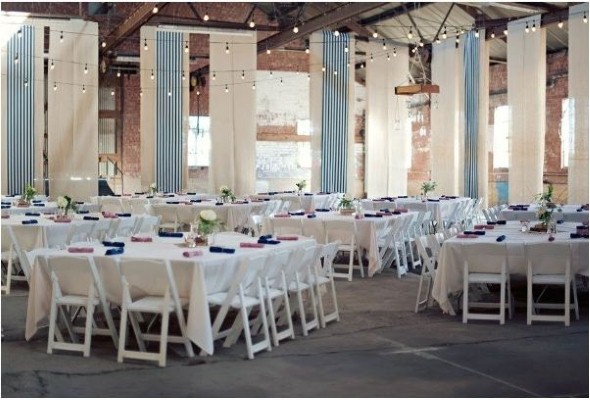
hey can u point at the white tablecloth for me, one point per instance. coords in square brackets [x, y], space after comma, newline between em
[449, 274]
[306, 202]
[568, 213]
[196, 277]
[440, 210]
[368, 231]
[48, 207]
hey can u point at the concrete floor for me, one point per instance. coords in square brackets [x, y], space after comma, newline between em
[381, 348]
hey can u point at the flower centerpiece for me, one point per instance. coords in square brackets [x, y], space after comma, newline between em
[346, 205]
[27, 196]
[206, 224]
[545, 208]
[427, 187]
[153, 189]
[65, 204]
[301, 185]
[227, 194]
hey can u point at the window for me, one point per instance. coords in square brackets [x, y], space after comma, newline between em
[502, 137]
[199, 142]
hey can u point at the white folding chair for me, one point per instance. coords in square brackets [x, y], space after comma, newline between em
[102, 228]
[281, 226]
[21, 253]
[427, 274]
[345, 232]
[80, 232]
[322, 277]
[138, 206]
[550, 264]
[244, 293]
[111, 204]
[76, 283]
[148, 224]
[123, 226]
[168, 216]
[156, 294]
[486, 263]
[9, 259]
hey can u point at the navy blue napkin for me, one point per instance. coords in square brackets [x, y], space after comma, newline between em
[579, 210]
[268, 241]
[402, 197]
[560, 221]
[37, 201]
[29, 222]
[266, 199]
[5, 207]
[396, 212]
[480, 233]
[490, 222]
[308, 194]
[218, 204]
[79, 202]
[33, 214]
[217, 249]
[373, 216]
[196, 201]
[83, 212]
[434, 200]
[123, 214]
[297, 213]
[170, 234]
[500, 222]
[500, 238]
[113, 244]
[191, 193]
[39, 205]
[149, 197]
[172, 202]
[265, 237]
[89, 218]
[6, 203]
[139, 192]
[113, 251]
[311, 216]
[575, 236]
[11, 195]
[322, 209]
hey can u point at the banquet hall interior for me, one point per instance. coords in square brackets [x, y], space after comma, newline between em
[322, 199]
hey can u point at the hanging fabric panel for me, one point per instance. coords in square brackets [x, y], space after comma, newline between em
[471, 98]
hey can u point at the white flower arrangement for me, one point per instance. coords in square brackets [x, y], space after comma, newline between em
[227, 193]
[208, 222]
[428, 187]
[66, 204]
[153, 188]
[301, 185]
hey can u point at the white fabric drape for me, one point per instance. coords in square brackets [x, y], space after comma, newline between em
[388, 128]
[316, 58]
[484, 100]
[578, 95]
[233, 114]
[446, 124]
[73, 113]
[526, 98]
[147, 62]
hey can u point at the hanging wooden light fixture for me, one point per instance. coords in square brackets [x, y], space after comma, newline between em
[410, 90]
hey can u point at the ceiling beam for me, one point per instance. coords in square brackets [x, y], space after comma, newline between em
[136, 18]
[391, 13]
[502, 23]
[194, 10]
[414, 23]
[335, 17]
[189, 21]
[352, 24]
[444, 20]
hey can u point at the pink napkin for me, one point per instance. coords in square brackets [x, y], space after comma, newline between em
[467, 236]
[282, 215]
[287, 238]
[141, 239]
[478, 226]
[404, 210]
[256, 201]
[251, 245]
[48, 213]
[108, 214]
[80, 250]
[65, 220]
[489, 226]
[192, 253]
[6, 216]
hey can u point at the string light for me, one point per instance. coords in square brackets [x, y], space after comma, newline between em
[348, 63]
[534, 28]
[462, 31]
[254, 86]
[52, 66]
[505, 32]
[112, 92]
[103, 44]
[271, 73]
[243, 75]
[414, 49]
[169, 93]
[83, 89]
[394, 52]
[375, 35]
[323, 69]
[26, 83]
[308, 77]
[226, 48]
[457, 39]
[267, 51]
[384, 45]
[16, 58]
[421, 43]
[152, 76]
[281, 81]
[226, 89]
[437, 40]
[410, 35]
[307, 50]
[186, 47]
[198, 92]
[362, 65]
[183, 76]
[295, 29]
[214, 76]
[155, 10]
[560, 24]
[444, 34]
[145, 46]
[54, 86]
[252, 24]
[388, 58]
[140, 92]
[206, 16]
[20, 33]
[86, 68]
[372, 57]
[336, 32]
[61, 37]
[477, 33]
[346, 49]
[118, 73]
[585, 18]
[493, 35]
[526, 29]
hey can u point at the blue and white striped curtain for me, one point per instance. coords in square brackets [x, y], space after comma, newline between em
[168, 72]
[471, 77]
[20, 73]
[335, 107]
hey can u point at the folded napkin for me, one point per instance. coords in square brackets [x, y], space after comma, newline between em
[90, 218]
[402, 197]
[170, 234]
[383, 213]
[192, 253]
[5, 207]
[79, 202]
[268, 241]
[218, 204]
[282, 215]
[579, 210]
[296, 213]
[32, 214]
[402, 210]
[434, 200]
[172, 202]
[385, 210]
[108, 214]
[499, 222]
[37, 201]
[29, 221]
[286, 237]
[49, 213]
[373, 215]
[396, 212]
[500, 238]
[311, 216]
[196, 201]
[551, 238]
[490, 226]
[139, 193]
[251, 245]
[491, 223]
[113, 251]
[64, 220]
[83, 212]
[113, 244]
[322, 209]
[39, 205]
[308, 194]
[191, 193]
[266, 199]
[467, 236]
[6, 203]
[80, 250]
[123, 214]
[144, 239]
[217, 249]
[5, 216]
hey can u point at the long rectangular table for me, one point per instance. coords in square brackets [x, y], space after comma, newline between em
[567, 212]
[449, 274]
[441, 209]
[196, 277]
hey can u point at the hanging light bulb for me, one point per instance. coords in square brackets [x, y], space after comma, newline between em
[183, 76]
[526, 29]
[140, 92]
[243, 75]
[61, 37]
[444, 34]
[308, 77]
[335, 72]
[20, 33]
[54, 86]
[206, 16]
[226, 48]
[52, 66]
[348, 63]
[534, 28]
[375, 35]
[254, 86]
[214, 76]
[585, 18]
[26, 83]
[267, 51]
[271, 73]
[307, 50]
[83, 89]
[152, 76]
[462, 31]
[16, 58]
[198, 92]
[346, 49]
[560, 24]
[145, 46]
[252, 24]
[112, 92]
[226, 89]
[414, 49]
[155, 10]
[118, 73]
[493, 35]
[372, 57]
[388, 58]
[394, 52]
[505, 32]
[186, 47]
[169, 93]
[336, 32]
[103, 44]
[410, 35]
[362, 65]
[437, 40]
[384, 45]
[421, 43]
[281, 81]
[457, 39]
[477, 33]
[295, 29]
[86, 68]
[323, 69]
